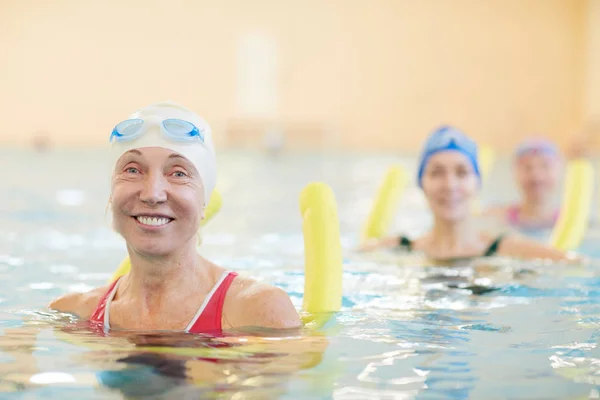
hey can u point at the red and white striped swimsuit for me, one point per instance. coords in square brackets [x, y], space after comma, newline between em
[207, 318]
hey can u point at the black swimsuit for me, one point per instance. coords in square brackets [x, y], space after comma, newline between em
[406, 244]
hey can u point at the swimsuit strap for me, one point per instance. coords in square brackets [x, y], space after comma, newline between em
[405, 243]
[493, 248]
[100, 314]
[210, 314]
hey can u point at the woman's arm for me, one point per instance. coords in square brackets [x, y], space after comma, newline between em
[375, 244]
[79, 304]
[518, 247]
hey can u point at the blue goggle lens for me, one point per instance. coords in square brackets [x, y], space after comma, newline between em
[127, 130]
[180, 129]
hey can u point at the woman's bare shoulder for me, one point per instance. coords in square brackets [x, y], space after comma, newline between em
[79, 304]
[253, 303]
[522, 247]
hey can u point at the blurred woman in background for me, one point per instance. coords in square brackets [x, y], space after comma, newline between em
[450, 178]
[537, 165]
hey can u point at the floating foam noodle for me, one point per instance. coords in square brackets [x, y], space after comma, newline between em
[575, 211]
[385, 204]
[213, 207]
[322, 254]
[487, 157]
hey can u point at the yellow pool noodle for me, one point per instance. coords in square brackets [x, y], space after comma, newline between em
[385, 204]
[213, 207]
[487, 156]
[322, 253]
[576, 206]
[486, 159]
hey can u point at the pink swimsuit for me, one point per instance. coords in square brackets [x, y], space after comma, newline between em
[513, 217]
[207, 318]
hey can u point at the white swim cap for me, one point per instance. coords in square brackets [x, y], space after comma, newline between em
[200, 153]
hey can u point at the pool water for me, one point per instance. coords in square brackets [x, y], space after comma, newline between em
[497, 329]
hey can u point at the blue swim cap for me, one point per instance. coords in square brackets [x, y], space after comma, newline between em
[448, 138]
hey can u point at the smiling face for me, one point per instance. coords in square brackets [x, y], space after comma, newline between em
[157, 198]
[450, 184]
[537, 176]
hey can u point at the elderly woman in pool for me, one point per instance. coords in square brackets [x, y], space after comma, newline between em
[164, 170]
[449, 177]
[537, 165]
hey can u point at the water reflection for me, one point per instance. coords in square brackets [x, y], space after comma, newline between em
[408, 328]
[255, 363]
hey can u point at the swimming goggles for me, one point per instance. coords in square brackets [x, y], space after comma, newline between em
[173, 128]
[448, 137]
